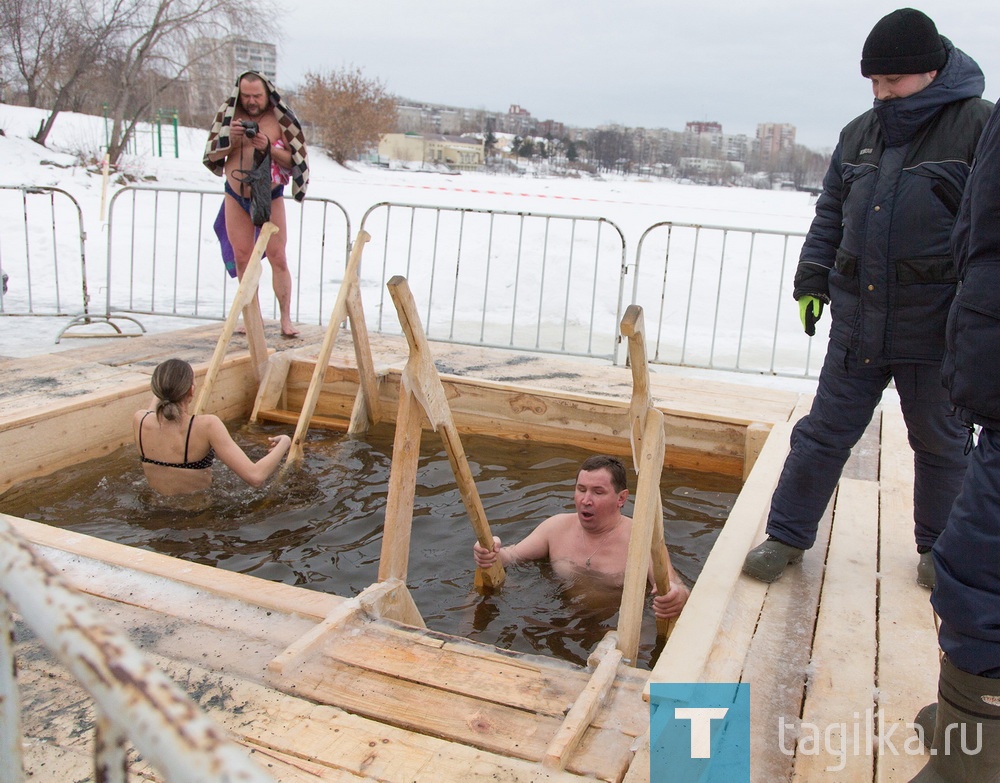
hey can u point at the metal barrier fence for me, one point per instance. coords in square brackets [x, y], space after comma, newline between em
[42, 252]
[133, 700]
[714, 297]
[164, 256]
[721, 298]
[530, 281]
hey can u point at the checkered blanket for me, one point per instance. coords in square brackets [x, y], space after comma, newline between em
[218, 136]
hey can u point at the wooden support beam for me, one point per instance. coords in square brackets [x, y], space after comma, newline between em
[272, 385]
[633, 328]
[585, 707]
[423, 382]
[371, 602]
[366, 407]
[647, 503]
[395, 557]
[245, 300]
[323, 359]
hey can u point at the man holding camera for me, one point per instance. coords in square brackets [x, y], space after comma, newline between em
[252, 127]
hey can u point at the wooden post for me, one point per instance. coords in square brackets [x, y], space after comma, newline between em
[647, 499]
[246, 295]
[633, 328]
[366, 404]
[395, 557]
[323, 360]
[424, 384]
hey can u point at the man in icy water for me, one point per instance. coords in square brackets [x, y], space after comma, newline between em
[255, 133]
[593, 540]
[878, 252]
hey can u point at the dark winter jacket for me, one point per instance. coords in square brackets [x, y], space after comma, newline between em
[972, 364]
[878, 249]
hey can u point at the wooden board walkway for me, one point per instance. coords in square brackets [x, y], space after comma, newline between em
[841, 652]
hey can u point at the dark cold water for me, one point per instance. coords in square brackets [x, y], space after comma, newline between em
[321, 527]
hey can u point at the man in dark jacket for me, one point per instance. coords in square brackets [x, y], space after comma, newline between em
[878, 252]
[967, 554]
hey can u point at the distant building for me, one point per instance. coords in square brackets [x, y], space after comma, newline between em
[458, 152]
[775, 143]
[217, 62]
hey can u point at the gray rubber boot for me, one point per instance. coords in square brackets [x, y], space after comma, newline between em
[925, 571]
[767, 562]
[966, 747]
[926, 719]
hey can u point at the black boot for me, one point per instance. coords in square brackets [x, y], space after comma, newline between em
[966, 747]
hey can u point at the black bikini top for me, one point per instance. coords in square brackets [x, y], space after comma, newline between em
[204, 462]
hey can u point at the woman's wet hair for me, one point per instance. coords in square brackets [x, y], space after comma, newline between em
[171, 382]
[614, 466]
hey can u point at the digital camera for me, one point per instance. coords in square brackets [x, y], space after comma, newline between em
[250, 128]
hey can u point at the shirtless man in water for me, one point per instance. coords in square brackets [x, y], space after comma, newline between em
[593, 539]
[255, 105]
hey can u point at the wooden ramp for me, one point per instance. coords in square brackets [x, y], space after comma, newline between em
[841, 652]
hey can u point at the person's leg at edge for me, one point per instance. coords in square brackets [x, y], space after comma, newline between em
[821, 443]
[938, 440]
[281, 277]
[966, 745]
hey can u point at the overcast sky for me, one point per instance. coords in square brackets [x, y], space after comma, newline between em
[638, 63]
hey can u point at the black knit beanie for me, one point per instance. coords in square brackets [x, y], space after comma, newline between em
[905, 41]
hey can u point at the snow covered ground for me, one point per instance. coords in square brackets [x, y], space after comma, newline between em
[630, 204]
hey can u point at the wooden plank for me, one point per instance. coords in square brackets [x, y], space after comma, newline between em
[535, 684]
[291, 417]
[581, 714]
[336, 740]
[908, 648]
[777, 664]
[604, 753]
[686, 653]
[840, 694]
[648, 512]
[369, 647]
[272, 595]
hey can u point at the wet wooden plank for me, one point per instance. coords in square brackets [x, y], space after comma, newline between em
[841, 689]
[689, 647]
[908, 648]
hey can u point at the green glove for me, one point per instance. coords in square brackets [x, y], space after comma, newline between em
[810, 309]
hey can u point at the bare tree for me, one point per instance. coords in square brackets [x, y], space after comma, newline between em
[152, 54]
[128, 51]
[347, 111]
[53, 45]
